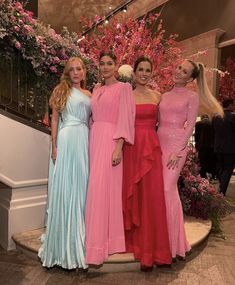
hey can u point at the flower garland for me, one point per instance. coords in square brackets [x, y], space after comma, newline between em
[39, 44]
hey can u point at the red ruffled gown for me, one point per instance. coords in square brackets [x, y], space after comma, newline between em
[143, 193]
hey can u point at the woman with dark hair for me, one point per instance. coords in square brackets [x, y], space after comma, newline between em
[113, 113]
[143, 194]
[64, 239]
[179, 109]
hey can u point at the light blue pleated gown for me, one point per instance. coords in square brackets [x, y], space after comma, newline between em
[63, 241]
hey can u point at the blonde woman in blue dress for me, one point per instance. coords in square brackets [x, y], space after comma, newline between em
[63, 241]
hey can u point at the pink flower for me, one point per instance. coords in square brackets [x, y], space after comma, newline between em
[29, 19]
[53, 69]
[13, 18]
[56, 60]
[39, 39]
[194, 190]
[64, 56]
[43, 51]
[21, 22]
[30, 13]
[18, 5]
[27, 29]
[17, 45]
[97, 18]
[16, 28]
[53, 51]
[51, 32]
[24, 14]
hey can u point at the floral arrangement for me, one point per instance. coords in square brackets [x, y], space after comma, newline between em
[125, 73]
[39, 44]
[130, 39]
[227, 82]
[199, 198]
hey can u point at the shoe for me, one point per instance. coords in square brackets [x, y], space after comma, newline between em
[95, 266]
[181, 258]
[82, 270]
[145, 268]
[187, 253]
[164, 265]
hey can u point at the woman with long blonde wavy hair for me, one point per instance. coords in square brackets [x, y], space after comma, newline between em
[179, 109]
[63, 241]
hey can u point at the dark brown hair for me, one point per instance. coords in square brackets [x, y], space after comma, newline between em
[142, 59]
[110, 54]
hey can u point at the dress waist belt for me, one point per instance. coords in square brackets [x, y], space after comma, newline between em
[71, 121]
[145, 125]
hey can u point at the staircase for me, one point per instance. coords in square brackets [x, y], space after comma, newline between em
[24, 155]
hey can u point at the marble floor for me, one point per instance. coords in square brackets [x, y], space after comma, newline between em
[212, 262]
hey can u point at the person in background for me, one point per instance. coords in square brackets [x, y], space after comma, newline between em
[224, 146]
[204, 143]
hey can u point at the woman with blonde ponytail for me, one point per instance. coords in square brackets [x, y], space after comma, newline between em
[63, 241]
[179, 109]
[208, 105]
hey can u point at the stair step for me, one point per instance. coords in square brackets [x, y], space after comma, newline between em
[197, 231]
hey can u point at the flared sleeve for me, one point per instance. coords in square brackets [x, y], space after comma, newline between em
[192, 112]
[126, 115]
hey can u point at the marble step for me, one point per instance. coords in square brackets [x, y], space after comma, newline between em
[197, 231]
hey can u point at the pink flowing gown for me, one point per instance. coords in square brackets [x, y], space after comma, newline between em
[178, 113]
[113, 112]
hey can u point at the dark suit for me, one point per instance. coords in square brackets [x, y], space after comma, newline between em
[225, 148]
[204, 143]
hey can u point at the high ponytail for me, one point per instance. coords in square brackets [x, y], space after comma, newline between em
[208, 104]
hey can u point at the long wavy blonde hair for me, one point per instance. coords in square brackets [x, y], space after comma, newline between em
[62, 91]
[208, 104]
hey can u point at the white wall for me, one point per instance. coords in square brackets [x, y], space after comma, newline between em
[24, 155]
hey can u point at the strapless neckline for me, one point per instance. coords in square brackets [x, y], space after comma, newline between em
[152, 104]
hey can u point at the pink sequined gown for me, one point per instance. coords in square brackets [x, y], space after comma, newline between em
[178, 113]
[113, 113]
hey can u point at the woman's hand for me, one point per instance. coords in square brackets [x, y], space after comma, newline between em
[54, 127]
[117, 153]
[116, 157]
[173, 161]
[54, 153]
